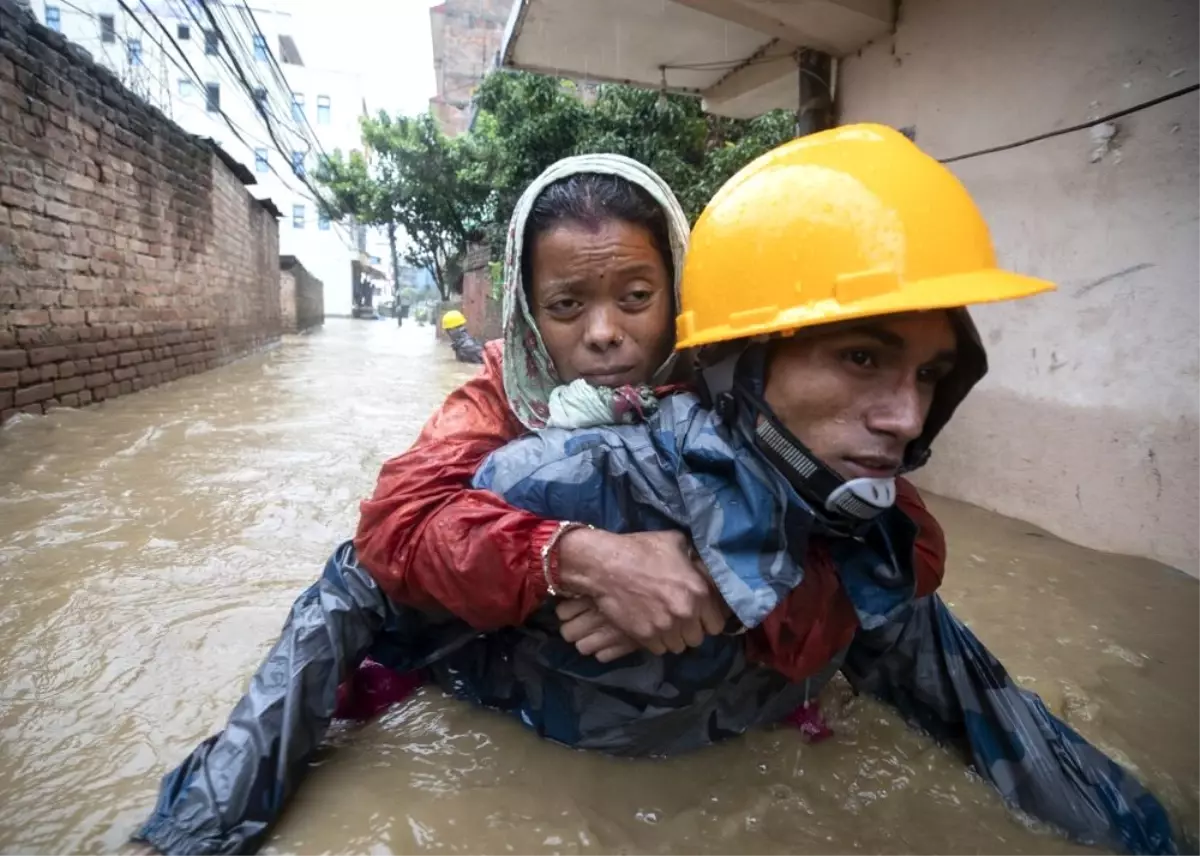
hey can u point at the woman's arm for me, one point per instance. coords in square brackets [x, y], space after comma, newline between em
[431, 541]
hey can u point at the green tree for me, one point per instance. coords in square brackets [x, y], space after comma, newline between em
[526, 122]
[442, 193]
[416, 181]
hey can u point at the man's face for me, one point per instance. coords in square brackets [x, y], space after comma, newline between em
[856, 394]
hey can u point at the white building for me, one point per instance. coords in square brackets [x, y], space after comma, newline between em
[169, 52]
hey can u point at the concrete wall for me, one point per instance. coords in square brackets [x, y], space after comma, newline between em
[1087, 423]
[130, 253]
[467, 35]
[301, 296]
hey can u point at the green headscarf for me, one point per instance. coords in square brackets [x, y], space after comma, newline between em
[530, 381]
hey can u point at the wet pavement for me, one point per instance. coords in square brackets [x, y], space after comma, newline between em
[152, 546]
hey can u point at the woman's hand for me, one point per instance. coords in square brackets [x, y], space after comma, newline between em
[648, 585]
[592, 634]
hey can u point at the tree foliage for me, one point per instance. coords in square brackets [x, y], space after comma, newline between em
[443, 192]
[414, 180]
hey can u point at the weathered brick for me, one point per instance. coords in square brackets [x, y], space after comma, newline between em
[66, 213]
[6, 399]
[13, 359]
[66, 316]
[32, 409]
[16, 198]
[8, 380]
[70, 400]
[113, 218]
[37, 356]
[98, 379]
[71, 384]
[29, 317]
[30, 394]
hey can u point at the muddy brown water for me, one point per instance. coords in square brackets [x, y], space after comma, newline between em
[150, 549]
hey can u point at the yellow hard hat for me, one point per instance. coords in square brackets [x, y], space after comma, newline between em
[847, 223]
[453, 319]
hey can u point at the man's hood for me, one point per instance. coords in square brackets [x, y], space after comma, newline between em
[529, 375]
[969, 369]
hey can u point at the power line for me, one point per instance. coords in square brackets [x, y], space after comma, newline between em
[1082, 126]
[280, 75]
[244, 82]
[196, 78]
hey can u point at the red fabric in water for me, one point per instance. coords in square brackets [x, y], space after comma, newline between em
[371, 689]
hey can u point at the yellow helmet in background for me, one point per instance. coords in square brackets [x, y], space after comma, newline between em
[453, 320]
[846, 223]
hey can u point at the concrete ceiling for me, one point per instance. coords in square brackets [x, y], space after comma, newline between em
[738, 55]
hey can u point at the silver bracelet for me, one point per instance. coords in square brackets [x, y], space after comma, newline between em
[564, 527]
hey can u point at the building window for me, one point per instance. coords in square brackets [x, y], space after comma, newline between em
[260, 98]
[297, 216]
[260, 48]
[322, 109]
[298, 106]
[54, 18]
[135, 51]
[186, 87]
[298, 163]
[212, 46]
[108, 29]
[212, 97]
[260, 161]
[183, 32]
[323, 222]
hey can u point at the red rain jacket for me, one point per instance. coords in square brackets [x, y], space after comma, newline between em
[432, 542]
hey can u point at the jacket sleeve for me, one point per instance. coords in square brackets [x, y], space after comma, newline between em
[939, 676]
[817, 620]
[227, 794]
[431, 541]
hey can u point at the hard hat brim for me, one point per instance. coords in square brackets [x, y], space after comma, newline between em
[945, 292]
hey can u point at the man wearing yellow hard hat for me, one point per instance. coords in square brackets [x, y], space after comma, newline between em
[825, 289]
[466, 348]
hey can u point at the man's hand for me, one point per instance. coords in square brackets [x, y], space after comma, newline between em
[647, 584]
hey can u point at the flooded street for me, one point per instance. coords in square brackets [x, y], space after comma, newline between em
[152, 547]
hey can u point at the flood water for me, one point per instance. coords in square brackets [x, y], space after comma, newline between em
[151, 547]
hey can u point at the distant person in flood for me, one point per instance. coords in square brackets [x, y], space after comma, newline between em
[466, 349]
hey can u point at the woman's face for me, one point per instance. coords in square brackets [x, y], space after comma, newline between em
[601, 298]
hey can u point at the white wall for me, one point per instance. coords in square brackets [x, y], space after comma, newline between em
[326, 253]
[1087, 422]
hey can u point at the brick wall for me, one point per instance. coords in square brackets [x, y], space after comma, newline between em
[484, 318]
[301, 296]
[130, 252]
[467, 35]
